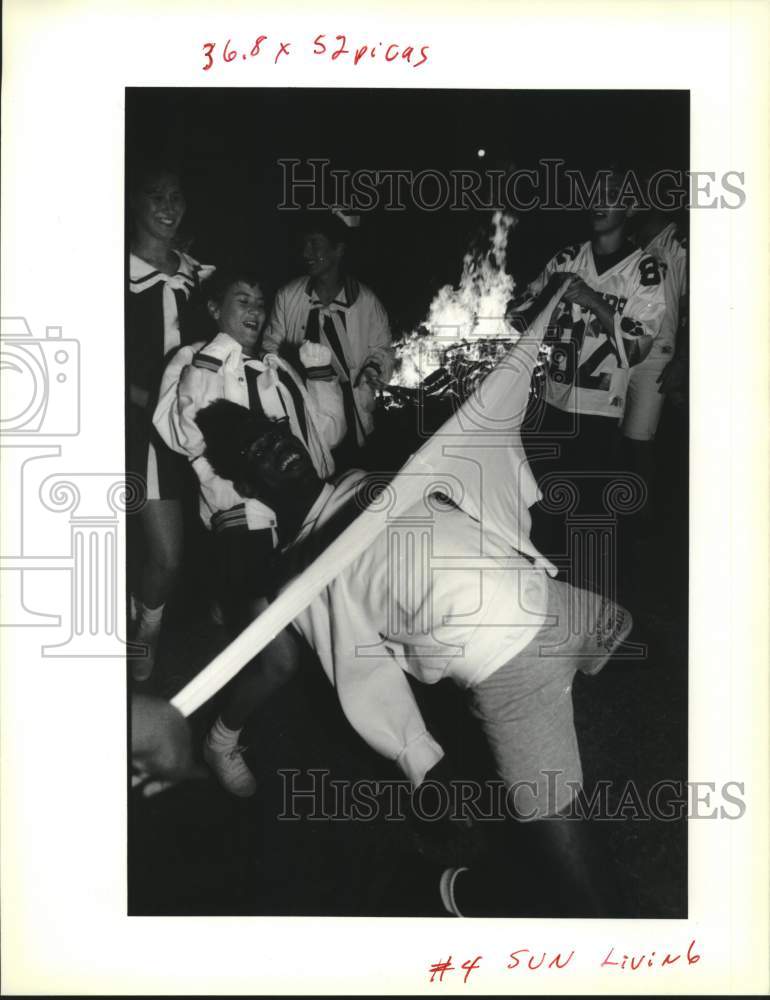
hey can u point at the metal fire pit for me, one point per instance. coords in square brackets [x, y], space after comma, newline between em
[462, 366]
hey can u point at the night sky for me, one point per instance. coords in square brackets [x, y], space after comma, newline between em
[227, 142]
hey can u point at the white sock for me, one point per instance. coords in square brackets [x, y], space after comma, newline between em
[446, 887]
[221, 737]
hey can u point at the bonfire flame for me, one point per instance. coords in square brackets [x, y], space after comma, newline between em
[465, 324]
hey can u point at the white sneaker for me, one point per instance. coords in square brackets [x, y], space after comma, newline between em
[446, 888]
[228, 765]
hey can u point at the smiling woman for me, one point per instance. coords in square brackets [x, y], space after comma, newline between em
[328, 306]
[163, 286]
[158, 207]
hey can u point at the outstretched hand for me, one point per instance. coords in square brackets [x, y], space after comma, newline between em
[161, 745]
[369, 376]
[522, 311]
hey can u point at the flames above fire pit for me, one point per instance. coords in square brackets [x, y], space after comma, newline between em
[466, 332]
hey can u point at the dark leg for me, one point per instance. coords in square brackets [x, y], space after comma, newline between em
[256, 684]
[162, 525]
[555, 867]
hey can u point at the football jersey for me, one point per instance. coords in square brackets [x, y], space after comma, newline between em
[670, 248]
[583, 359]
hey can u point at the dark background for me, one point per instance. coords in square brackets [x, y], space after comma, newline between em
[226, 143]
[197, 850]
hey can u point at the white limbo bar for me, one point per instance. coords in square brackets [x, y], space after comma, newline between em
[492, 414]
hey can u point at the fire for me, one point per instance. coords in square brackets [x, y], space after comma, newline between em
[464, 322]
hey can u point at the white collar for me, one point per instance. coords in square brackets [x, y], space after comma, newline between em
[227, 348]
[140, 269]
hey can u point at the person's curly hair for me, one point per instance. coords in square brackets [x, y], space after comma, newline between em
[228, 429]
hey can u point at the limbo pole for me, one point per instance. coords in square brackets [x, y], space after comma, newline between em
[492, 413]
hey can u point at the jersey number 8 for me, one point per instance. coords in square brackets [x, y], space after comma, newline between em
[649, 271]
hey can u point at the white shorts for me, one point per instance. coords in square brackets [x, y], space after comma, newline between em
[644, 402]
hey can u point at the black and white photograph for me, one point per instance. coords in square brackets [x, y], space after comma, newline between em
[383, 452]
[465, 312]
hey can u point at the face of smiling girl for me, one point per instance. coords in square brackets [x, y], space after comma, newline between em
[158, 207]
[241, 314]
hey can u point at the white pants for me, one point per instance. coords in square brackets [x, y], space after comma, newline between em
[644, 402]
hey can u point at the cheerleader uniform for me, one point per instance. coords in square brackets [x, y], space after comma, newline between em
[160, 316]
[355, 328]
